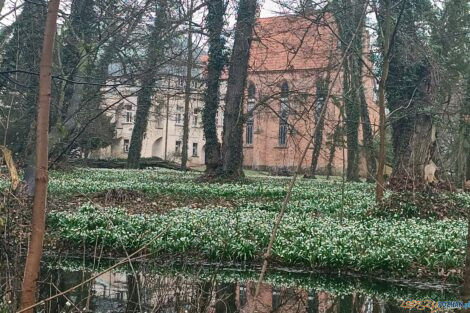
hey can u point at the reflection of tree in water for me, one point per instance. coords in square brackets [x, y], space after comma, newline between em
[144, 292]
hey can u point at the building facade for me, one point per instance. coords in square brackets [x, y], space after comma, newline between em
[291, 59]
[163, 137]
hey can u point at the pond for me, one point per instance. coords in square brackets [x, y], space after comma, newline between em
[220, 290]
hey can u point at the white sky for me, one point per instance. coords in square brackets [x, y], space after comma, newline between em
[269, 8]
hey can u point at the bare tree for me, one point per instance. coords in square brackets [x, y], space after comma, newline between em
[187, 88]
[32, 267]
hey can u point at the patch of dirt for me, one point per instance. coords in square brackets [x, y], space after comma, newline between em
[135, 202]
[430, 204]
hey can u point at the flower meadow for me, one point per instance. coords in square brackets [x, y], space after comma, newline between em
[221, 234]
[326, 226]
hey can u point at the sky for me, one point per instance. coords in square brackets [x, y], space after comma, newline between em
[269, 8]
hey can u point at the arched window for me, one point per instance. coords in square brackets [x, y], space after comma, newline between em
[250, 119]
[283, 114]
[322, 91]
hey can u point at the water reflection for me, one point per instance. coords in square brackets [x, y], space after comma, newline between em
[145, 292]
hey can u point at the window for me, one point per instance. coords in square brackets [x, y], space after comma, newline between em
[159, 122]
[195, 117]
[178, 119]
[129, 117]
[126, 145]
[159, 114]
[178, 146]
[250, 119]
[283, 114]
[322, 90]
[194, 149]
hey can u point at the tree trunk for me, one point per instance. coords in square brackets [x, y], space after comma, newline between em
[336, 140]
[386, 34]
[463, 163]
[352, 120]
[348, 14]
[33, 259]
[317, 147]
[217, 61]
[144, 102]
[187, 90]
[368, 138]
[225, 298]
[232, 147]
[322, 91]
[411, 93]
[133, 296]
[414, 140]
[144, 96]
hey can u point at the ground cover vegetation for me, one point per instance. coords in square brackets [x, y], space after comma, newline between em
[328, 224]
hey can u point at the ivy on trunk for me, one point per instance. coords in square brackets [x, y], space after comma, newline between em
[232, 147]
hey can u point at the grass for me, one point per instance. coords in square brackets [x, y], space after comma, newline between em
[324, 227]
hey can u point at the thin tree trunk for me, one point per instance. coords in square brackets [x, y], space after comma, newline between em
[187, 90]
[352, 119]
[216, 63]
[368, 139]
[232, 147]
[322, 89]
[336, 137]
[33, 259]
[380, 181]
[317, 147]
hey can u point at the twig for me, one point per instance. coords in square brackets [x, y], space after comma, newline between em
[277, 223]
[126, 260]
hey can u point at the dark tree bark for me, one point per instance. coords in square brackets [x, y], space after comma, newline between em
[335, 143]
[317, 147]
[204, 291]
[463, 166]
[410, 94]
[133, 300]
[368, 138]
[217, 61]
[225, 298]
[144, 102]
[232, 146]
[187, 90]
[149, 78]
[352, 121]
[349, 14]
[384, 18]
[322, 90]
[38, 225]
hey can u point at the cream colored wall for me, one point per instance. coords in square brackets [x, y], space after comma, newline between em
[160, 131]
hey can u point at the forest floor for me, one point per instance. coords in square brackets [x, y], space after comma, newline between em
[329, 225]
